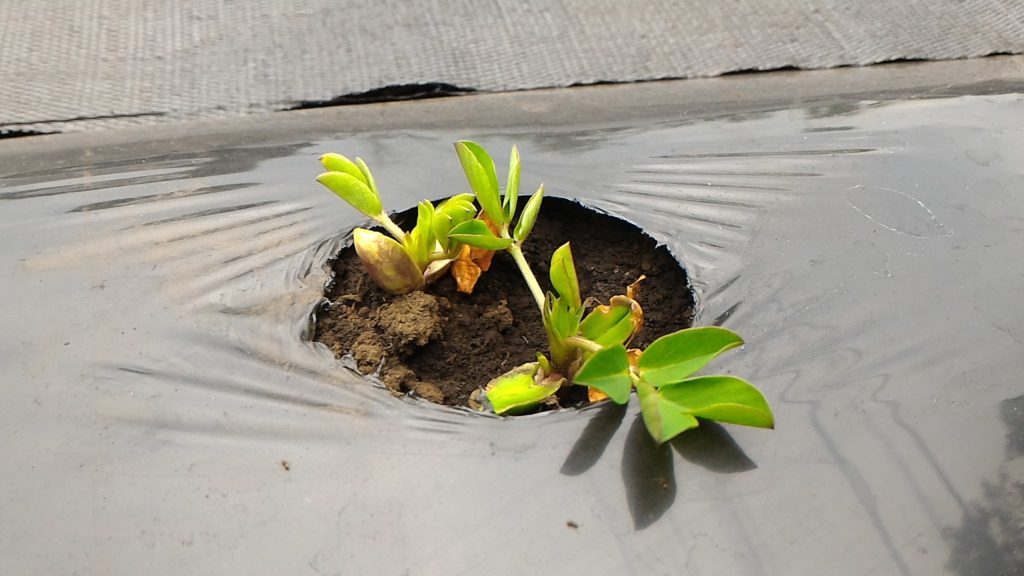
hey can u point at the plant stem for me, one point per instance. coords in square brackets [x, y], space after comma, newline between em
[524, 269]
[583, 343]
[390, 226]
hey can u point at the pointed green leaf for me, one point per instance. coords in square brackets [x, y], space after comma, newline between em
[508, 203]
[675, 356]
[560, 322]
[722, 398]
[608, 371]
[663, 419]
[614, 323]
[421, 239]
[479, 169]
[563, 318]
[367, 176]
[442, 225]
[477, 234]
[449, 214]
[529, 216]
[563, 275]
[545, 364]
[517, 391]
[338, 163]
[387, 262]
[353, 191]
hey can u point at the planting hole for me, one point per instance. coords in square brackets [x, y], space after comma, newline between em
[442, 344]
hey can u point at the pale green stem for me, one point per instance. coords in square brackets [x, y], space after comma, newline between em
[384, 220]
[583, 343]
[531, 280]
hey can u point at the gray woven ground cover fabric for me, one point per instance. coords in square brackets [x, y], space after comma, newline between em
[78, 64]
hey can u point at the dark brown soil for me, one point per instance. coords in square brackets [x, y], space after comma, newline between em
[444, 344]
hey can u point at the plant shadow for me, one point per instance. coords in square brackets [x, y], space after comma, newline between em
[648, 468]
[594, 439]
[712, 447]
[649, 475]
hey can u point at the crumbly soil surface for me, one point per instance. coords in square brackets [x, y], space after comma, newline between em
[443, 344]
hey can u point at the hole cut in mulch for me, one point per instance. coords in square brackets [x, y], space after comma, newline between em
[443, 344]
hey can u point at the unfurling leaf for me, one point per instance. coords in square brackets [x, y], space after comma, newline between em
[563, 276]
[387, 262]
[460, 207]
[442, 225]
[508, 203]
[449, 214]
[338, 163]
[479, 169]
[529, 216]
[420, 242]
[545, 364]
[353, 191]
[561, 321]
[663, 419]
[608, 371]
[675, 356]
[560, 317]
[476, 233]
[614, 323]
[722, 398]
[518, 390]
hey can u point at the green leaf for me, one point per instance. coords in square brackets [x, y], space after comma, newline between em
[722, 398]
[479, 169]
[608, 371]
[421, 239]
[367, 176]
[449, 214]
[512, 188]
[460, 207]
[338, 163]
[560, 321]
[663, 419]
[387, 262]
[614, 323]
[477, 234]
[563, 275]
[545, 364]
[675, 356]
[529, 216]
[563, 318]
[442, 225]
[518, 391]
[353, 191]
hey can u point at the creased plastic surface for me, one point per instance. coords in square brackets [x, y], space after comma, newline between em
[162, 412]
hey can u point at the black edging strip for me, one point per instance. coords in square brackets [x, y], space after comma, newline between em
[392, 93]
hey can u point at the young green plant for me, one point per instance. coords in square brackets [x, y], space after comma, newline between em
[405, 261]
[591, 350]
[498, 210]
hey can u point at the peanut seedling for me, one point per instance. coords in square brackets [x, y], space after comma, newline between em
[406, 261]
[591, 350]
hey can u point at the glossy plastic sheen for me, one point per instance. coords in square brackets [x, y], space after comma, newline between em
[163, 411]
